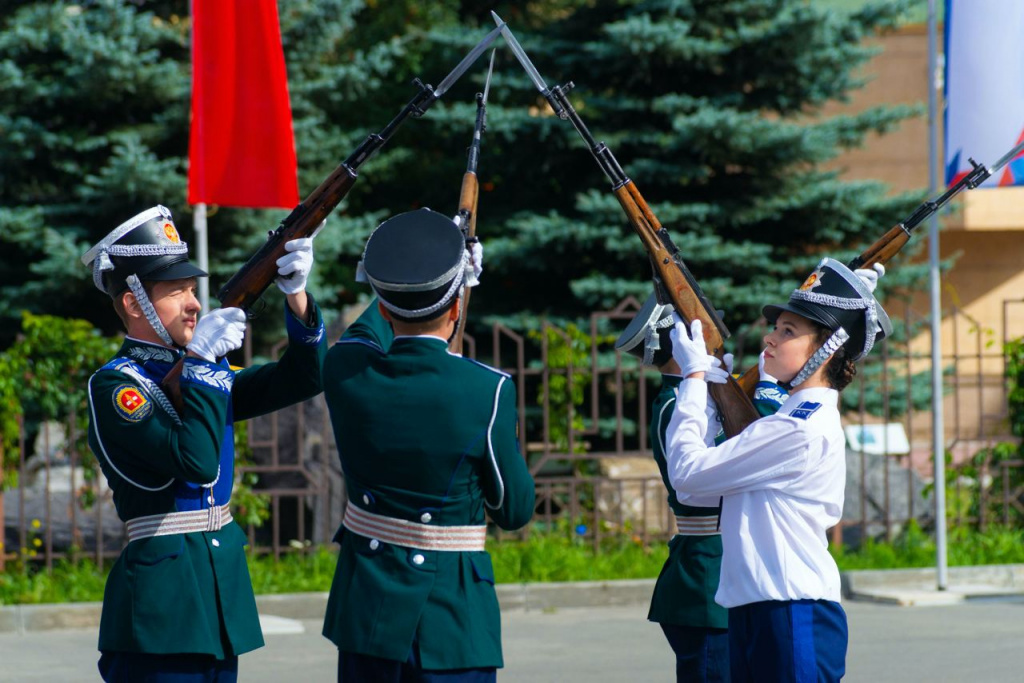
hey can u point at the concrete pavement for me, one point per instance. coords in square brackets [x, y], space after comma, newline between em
[969, 641]
[597, 631]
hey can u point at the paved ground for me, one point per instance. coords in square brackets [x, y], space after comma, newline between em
[973, 641]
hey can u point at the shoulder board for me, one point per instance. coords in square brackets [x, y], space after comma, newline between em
[805, 410]
[124, 365]
[358, 340]
[484, 365]
[134, 371]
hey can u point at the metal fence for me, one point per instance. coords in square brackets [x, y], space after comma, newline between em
[583, 411]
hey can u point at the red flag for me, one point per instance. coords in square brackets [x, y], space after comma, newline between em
[241, 148]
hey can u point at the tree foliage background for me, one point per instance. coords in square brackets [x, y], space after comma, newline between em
[712, 106]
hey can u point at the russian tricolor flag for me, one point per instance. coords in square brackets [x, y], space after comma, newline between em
[984, 87]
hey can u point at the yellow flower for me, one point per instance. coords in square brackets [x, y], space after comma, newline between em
[32, 553]
[36, 542]
[36, 524]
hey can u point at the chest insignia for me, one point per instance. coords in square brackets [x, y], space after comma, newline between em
[805, 410]
[131, 404]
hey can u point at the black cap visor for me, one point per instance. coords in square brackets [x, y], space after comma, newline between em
[175, 271]
[772, 312]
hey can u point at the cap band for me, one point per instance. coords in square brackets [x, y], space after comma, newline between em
[652, 340]
[123, 229]
[422, 312]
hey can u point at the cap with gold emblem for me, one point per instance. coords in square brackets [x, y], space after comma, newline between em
[834, 296]
[147, 246]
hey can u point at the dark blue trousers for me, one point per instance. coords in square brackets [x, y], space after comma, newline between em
[355, 668]
[797, 641]
[702, 654]
[136, 667]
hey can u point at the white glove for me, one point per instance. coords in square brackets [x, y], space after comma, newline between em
[719, 373]
[218, 332]
[293, 268]
[476, 261]
[761, 374]
[689, 350]
[871, 275]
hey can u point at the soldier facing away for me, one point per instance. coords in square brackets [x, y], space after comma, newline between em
[429, 448]
[178, 604]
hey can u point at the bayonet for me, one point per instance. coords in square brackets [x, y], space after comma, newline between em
[673, 281]
[468, 60]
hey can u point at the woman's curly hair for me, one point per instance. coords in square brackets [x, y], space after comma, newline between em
[840, 369]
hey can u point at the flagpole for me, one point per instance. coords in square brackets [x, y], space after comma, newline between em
[202, 254]
[938, 428]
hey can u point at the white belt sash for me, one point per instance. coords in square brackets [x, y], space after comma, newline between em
[697, 526]
[212, 519]
[413, 535]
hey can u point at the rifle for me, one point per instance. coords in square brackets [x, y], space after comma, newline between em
[673, 281]
[468, 196]
[890, 244]
[245, 288]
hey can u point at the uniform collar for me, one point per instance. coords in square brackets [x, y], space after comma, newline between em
[823, 395]
[668, 380]
[420, 341]
[143, 351]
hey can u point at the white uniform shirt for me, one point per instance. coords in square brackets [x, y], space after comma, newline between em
[782, 480]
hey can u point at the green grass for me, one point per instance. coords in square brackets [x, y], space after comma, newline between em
[558, 558]
[915, 548]
[544, 557]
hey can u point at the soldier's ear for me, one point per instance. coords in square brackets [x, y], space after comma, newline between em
[131, 305]
[453, 312]
[385, 313]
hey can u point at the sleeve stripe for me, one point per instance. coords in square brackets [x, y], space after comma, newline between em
[490, 450]
[103, 449]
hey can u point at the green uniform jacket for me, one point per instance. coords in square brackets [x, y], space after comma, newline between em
[185, 593]
[685, 592]
[427, 437]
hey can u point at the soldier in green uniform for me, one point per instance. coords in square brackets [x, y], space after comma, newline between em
[179, 603]
[429, 448]
[684, 595]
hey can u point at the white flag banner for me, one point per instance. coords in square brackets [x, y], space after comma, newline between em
[984, 87]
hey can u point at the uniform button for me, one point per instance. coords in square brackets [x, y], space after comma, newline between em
[366, 499]
[425, 518]
[374, 544]
[216, 543]
[417, 559]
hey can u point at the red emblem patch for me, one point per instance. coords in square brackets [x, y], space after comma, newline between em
[131, 404]
[171, 232]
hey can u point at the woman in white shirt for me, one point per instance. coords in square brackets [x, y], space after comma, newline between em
[782, 478]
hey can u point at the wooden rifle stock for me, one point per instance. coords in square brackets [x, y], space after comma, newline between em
[253, 278]
[468, 197]
[890, 244]
[247, 285]
[735, 407]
